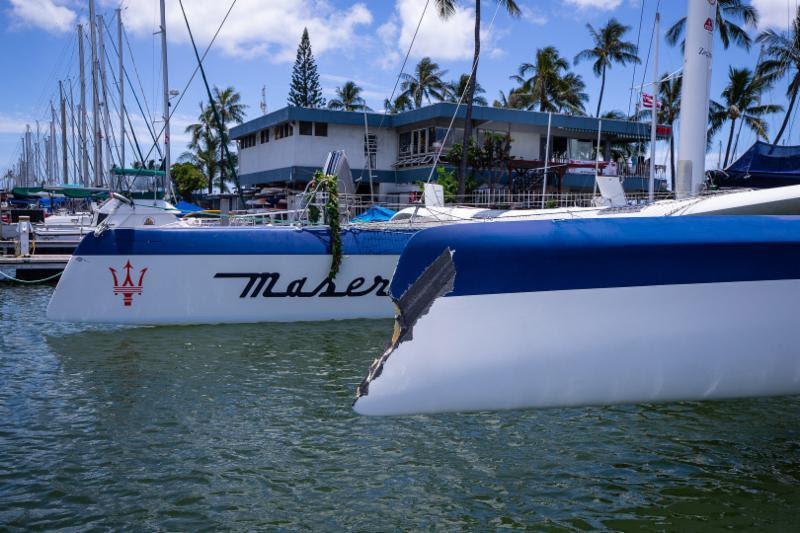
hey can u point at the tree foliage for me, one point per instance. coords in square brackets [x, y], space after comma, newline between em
[305, 90]
[187, 178]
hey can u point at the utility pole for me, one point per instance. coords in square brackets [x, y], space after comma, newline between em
[121, 81]
[82, 112]
[64, 167]
[97, 135]
[165, 75]
[104, 86]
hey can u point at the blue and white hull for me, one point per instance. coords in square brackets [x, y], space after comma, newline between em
[219, 275]
[590, 312]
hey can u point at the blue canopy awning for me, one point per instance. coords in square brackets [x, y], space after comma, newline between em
[375, 213]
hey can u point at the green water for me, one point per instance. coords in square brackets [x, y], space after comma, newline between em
[250, 427]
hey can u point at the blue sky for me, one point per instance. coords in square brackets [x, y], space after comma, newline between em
[363, 41]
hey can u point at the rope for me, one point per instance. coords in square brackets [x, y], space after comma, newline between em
[30, 282]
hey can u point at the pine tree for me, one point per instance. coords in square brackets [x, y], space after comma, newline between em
[305, 90]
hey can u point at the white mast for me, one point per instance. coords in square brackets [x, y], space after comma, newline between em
[82, 112]
[166, 94]
[101, 45]
[63, 103]
[700, 22]
[52, 153]
[654, 115]
[121, 90]
[97, 135]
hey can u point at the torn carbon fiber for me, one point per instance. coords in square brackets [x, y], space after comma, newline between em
[437, 280]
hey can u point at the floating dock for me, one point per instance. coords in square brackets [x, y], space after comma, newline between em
[33, 267]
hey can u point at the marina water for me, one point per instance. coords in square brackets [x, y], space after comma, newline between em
[245, 427]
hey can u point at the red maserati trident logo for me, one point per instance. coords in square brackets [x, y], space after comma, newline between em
[128, 288]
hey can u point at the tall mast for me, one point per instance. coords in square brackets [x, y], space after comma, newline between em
[697, 64]
[82, 112]
[654, 115]
[37, 158]
[52, 153]
[75, 152]
[63, 102]
[97, 135]
[165, 76]
[101, 46]
[121, 81]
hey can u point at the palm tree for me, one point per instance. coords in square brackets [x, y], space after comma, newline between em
[447, 8]
[782, 53]
[741, 101]
[425, 83]
[458, 88]
[514, 100]
[204, 145]
[669, 101]
[348, 98]
[729, 14]
[570, 94]
[546, 83]
[231, 110]
[609, 48]
[400, 104]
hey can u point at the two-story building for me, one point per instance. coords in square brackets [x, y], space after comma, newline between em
[288, 145]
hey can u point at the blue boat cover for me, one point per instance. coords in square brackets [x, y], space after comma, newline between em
[375, 213]
[186, 207]
[764, 165]
[543, 255]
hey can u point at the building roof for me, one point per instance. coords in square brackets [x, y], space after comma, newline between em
[445, 110]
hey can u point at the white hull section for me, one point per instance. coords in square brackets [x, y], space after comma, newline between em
[188, 289]
[593, 347]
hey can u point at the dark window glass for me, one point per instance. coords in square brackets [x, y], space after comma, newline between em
[321, 129]
[405, 143]
[306, 128]
[264, 136]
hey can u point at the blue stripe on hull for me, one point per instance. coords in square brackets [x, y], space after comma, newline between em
[530, 256]
[241, 241]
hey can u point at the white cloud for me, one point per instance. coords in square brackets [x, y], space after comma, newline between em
[774, 13]
[268, 28]
[441, 39]
[605, 5]
[45, 14]
[12, 124]
[533, 16]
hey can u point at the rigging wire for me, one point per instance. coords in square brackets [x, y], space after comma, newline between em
[638, 40]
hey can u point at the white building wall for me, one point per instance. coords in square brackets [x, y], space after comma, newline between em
[525, 144]
[310, 151]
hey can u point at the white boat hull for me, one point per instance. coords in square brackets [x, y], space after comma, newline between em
[197, 289]
[595, 346]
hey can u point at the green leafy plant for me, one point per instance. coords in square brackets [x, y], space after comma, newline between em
[323, 183]
[187, 179]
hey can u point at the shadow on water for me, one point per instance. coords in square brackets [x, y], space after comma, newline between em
[250, 426]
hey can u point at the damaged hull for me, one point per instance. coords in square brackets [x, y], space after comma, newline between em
[226, 275]
[594, 312]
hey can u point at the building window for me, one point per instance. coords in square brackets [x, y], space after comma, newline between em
[306, 128]
[264, 136]
[321, 129]
[371, 149]
[248, 141]
[283, 130]
[405, 143]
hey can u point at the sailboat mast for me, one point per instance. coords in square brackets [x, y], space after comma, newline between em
[101, 45]
[654, 115]
[97, 135]
[63, 111]
[82, 112]
[165, 76]
[121, 79]
[697, 63]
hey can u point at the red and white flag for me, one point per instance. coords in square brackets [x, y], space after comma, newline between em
[647, 101]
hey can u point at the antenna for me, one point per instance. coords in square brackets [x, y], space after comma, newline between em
[263, 99]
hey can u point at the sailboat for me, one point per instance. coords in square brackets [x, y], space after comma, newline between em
[598, 311]
[214, 275]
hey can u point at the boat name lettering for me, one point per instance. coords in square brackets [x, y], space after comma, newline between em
[264, 283]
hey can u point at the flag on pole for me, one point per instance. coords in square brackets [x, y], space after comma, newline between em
[647, 101]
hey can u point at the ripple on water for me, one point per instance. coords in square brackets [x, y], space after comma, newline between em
[248, 426]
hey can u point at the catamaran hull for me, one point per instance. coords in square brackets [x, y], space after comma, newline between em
[595, 312]
[593, 347]
[207, 276]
